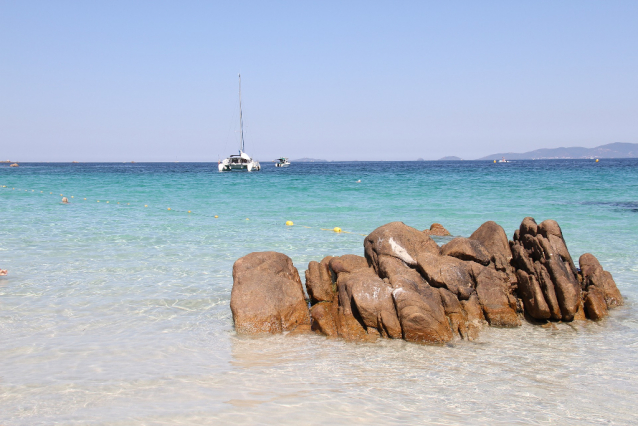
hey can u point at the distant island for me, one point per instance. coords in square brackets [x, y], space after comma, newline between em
[611, 150]
[450, 158]
[309, 160]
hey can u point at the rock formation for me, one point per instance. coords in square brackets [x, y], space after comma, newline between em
[408, 287]
[438, 230]
[267, 294]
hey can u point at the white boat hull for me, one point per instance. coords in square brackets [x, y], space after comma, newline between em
[239, 163]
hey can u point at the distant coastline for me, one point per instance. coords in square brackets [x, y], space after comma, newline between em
[309, 160]
[611, 150]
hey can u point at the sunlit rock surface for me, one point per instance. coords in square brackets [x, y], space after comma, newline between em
[407, 287]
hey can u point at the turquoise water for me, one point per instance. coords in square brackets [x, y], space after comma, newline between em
[119, 313]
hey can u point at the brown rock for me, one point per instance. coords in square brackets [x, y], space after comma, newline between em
[389, 266]
[492, 236]
[611, 292]
[301, 329]
[438, 230]
[455, 313]
[521, 259]
[447, 272]
[348, 263]
[397, 240]
[534, 247]
[566, 287]
[492, 293]
[580, 313]
[422, 316]
[517, 235]
[528, 226]
[474, 315]
[549, 293]
[588, 264]
[421, 320]
[349, 327]
[594, 275]
[595, 305]
[473, 309]
[466, 249]
[501, 263]
[319, 283]
[370, 300]
[551, 231]
[530, 292]
[324, 318]
[267, 295]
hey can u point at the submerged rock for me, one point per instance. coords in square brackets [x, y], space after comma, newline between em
[407, 287]
[438, 230]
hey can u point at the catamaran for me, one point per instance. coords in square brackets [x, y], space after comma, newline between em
[241, 161]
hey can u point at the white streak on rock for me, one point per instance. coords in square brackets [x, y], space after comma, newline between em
[401, 253]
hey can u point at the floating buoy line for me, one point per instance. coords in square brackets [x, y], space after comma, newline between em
[288, 223]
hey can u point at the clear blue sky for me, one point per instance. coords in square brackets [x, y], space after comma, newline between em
[343, 80]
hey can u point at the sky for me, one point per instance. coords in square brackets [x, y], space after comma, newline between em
[336, 80]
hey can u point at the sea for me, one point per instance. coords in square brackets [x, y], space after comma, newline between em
[115, 309]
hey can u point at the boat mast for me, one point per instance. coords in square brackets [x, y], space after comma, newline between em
[241, 122]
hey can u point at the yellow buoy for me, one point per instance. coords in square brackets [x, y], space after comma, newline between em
[169, 208]
[189, 211]
[337, 229]
[107, 202]
[289, 223]
[98, 201]
[247, 219]
[85, 199]
[495, 161]
[61, 195]
[145, 205]
[597, 160]
[117, 202]
[216, 216]
[71, 196]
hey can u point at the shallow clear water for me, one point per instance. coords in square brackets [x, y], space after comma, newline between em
[119, 313]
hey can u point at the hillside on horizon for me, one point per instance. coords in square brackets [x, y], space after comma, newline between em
[611, 150]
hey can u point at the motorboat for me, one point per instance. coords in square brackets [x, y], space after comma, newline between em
[503, 160]
[282, 162]
[241, 161]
